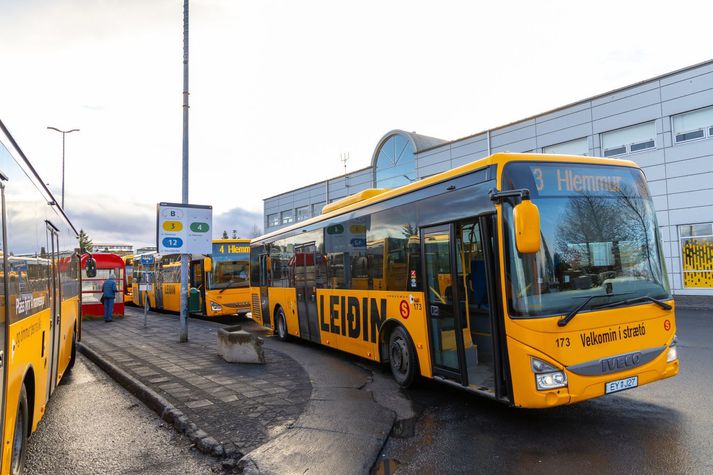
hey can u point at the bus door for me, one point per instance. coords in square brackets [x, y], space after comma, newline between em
[55, 306]
[264, 303]
[199, 282]
[306, 262]
[442, 303]
[158, 286]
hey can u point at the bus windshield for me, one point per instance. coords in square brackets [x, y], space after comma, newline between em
[231, 265]
[599, 239]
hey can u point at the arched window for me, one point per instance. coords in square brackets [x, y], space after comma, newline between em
[396, 163]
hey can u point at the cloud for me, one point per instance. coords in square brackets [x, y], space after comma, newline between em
[107, 220]
[246, 223]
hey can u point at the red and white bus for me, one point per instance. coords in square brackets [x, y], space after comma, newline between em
[107, 264]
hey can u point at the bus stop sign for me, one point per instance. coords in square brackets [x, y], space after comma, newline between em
[147, 260]
[184, 229]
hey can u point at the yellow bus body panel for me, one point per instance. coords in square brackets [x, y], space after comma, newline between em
[346, 331]
[232, 301]
[287, 299]
[70, 316]
[27, 354]
[638, 328]
[171, 297]
[129, 296]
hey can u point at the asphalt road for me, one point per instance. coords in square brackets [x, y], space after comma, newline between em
[665, 427]
[93, 426]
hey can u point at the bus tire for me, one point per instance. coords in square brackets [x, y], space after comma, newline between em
[73, 354]
[19, 438]
[402, 357]
[281, 325]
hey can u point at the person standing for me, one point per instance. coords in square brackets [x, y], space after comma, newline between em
[108, 296]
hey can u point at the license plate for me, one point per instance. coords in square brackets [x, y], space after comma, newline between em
[621, 384]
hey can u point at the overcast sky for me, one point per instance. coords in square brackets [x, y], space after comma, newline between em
[279, 89]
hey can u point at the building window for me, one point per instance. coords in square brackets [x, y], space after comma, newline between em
[395, 163]
[572, 147]
[697, 254]
[693, 125]
[317, 208]
[287, 217]
[273, 220]
[629, 139]
[302, 213]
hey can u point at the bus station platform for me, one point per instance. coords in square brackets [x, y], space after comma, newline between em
[279, 416]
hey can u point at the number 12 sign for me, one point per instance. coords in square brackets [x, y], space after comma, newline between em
[184, 229]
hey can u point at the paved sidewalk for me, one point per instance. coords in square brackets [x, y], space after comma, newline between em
[240, 406]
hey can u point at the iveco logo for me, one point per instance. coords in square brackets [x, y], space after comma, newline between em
[621, 362]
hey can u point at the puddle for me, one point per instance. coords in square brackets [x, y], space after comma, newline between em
[385, 466]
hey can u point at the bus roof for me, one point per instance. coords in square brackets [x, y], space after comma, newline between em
[497, 159]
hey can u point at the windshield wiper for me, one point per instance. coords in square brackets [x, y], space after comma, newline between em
[228, 286]
[564, 321]
[643, 298]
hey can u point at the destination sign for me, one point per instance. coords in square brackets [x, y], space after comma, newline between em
[222, 249]
[549, 179]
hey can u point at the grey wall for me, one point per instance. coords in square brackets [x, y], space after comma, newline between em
[680, 176]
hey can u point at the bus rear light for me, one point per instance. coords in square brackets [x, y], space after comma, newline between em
[547, 376]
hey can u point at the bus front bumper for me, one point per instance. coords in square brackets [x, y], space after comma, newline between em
[579, 388]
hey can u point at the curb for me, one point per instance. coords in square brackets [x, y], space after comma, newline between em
[166, 411]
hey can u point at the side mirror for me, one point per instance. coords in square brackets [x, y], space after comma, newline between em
[90, 265]
[207, 264]
[527, 227]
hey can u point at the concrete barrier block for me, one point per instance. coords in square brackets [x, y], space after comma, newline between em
[235, 345]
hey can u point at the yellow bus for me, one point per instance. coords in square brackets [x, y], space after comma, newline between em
[535, 280]
[40, 307]
[219, 284]
[129, 269]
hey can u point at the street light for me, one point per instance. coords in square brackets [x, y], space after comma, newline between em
[63, 132]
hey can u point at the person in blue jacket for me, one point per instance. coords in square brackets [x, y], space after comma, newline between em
[108, 295]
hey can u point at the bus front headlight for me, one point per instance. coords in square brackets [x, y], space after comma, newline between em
[672, 350]
[547, 376]
[215, 307]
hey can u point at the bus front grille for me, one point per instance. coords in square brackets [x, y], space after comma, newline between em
[257, 307]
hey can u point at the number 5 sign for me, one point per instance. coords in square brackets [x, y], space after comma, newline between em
[184, 229]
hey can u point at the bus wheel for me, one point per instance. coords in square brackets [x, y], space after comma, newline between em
[281, 325]
[402, 357]
[73, 356]
[19, 440]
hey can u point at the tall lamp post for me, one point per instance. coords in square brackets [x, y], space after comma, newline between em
[63, 132]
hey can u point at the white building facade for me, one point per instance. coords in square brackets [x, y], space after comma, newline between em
[664, 124]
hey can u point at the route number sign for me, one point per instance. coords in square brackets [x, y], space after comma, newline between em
[184, 229]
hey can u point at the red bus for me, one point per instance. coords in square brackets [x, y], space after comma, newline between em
[92, 286]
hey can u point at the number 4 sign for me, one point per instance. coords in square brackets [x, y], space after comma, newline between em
[184, 229]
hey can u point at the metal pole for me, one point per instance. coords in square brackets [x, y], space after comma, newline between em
[183, 335]
[63, 134]
[146, 296]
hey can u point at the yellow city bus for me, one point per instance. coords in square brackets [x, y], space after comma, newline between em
[40, 307]
[535, 280]
[129, 266]
[219, 284]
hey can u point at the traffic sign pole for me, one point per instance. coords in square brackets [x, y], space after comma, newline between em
[183, 335]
